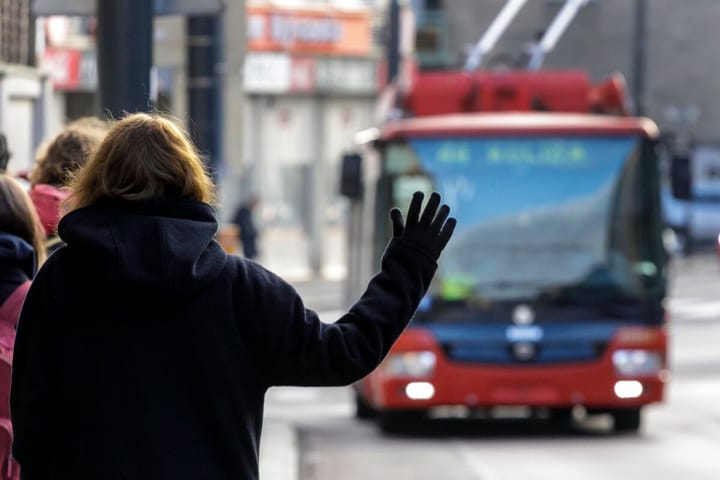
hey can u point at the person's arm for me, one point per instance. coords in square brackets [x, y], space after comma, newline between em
[296, 348]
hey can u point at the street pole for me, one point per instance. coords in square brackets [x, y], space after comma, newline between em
[317, 187]
[203, 57]
[392, 48]
[124, 55]
[237, 182]
[639, 56]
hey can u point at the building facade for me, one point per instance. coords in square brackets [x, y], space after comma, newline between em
[67, 55]
[311, 80]
[24, 91]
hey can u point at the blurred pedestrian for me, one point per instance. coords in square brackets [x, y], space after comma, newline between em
[21, 249]
[4, 153]
[144, 351]
[246, 224]
[56, 162]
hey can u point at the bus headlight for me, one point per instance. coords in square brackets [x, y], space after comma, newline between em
[420, 390]
[628, 389]
[629, 363]
[410, 364]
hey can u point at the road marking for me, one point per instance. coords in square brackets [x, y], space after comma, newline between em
[293, 394]
[694, 309]
[279, 454]
[472, 461]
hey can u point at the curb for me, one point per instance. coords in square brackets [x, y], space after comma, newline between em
[279, 443]
[279, 456]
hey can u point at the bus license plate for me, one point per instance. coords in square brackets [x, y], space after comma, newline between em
[524, 333]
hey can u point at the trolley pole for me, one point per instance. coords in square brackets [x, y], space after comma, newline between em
[639, 56]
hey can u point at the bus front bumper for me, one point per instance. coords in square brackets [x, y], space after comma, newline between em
[589, 386]
[596, 384]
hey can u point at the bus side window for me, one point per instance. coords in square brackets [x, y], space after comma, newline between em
[404, 186]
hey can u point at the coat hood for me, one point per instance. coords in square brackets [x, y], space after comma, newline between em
[144, 249]
[16, 252]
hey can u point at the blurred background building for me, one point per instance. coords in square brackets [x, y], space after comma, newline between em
[679, 50]
[311, 79]
[67, 54]
[24, 91]
[295, 79]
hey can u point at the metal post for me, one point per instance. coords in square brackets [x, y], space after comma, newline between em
[639, 48]
[233, 92]
[124, 55]
[41, 111]
[203, 53]
[556, 29]
[393, 41]
[317, 189]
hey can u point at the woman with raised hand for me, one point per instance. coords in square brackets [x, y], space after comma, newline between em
[145, 351]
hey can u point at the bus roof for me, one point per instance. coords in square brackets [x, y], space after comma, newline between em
[518, 123]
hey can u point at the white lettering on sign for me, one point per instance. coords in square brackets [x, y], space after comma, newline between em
[57, 64]
[287, 30]
[255, 27]
[88, 71]
[267, 73]
[346, 75]
[458, 190]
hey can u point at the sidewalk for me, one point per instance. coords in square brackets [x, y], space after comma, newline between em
[279, 453]
[284, 252]
[279, 449]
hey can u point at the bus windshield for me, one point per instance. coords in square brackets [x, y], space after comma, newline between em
[540, 217]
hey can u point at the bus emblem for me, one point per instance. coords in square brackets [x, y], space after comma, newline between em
[523, 315]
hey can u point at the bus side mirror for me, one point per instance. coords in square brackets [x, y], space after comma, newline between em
[351, 175]
[681, 177]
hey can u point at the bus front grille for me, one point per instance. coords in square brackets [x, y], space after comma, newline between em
[526, 354]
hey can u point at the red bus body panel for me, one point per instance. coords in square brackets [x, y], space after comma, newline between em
[441, 92]
[590, 384]
[518, 125]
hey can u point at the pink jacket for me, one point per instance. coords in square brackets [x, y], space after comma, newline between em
[47, 200]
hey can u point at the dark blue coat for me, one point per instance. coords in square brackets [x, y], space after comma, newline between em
[144, 351]
[17, 263]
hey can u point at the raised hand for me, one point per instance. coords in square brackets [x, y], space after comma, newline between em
[428, 231]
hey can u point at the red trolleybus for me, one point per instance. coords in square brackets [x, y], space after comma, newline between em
[550, 294]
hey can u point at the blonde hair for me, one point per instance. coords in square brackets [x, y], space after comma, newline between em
[67, 151]
[18, 216]
[142, 156]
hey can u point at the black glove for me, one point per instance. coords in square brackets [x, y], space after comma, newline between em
[428, 232]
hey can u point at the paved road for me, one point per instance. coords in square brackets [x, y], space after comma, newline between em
[679, 440]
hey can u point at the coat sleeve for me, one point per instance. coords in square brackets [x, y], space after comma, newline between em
[31, 392]
[296, 348]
